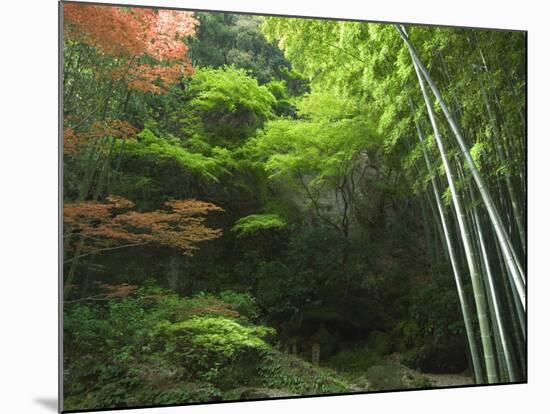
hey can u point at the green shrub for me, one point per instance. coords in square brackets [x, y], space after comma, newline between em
[254, 223]
[388, 377]
[287, 372]
[354, 361]
[204, 305]
[379, 342]
[244, 303]
[218, 335]
[435, 310]
[135, 350]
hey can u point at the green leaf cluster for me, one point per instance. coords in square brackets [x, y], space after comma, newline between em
[254, 223]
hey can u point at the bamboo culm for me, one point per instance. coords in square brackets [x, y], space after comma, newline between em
[511, 259]
[479, 296]
[466, 313]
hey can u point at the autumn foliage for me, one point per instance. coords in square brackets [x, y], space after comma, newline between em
[146, 43]
[109, 128]
[111, 223]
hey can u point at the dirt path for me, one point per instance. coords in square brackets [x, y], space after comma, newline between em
[437, 380]
[449, 380]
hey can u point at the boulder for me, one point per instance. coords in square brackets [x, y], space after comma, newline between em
[392, 377]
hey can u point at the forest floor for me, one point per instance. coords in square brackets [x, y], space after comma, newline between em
[449, 380]
[363, 384]
[391, 374]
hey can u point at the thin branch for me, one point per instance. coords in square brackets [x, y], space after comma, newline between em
[106, 249]
[97, 297]
[348, 53]
[315, 205]
[107, 97]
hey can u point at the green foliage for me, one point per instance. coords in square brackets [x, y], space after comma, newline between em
[319, 156]
[477, 152]
[388, 376]
[379, 342]
[208, 335]
[133, 351]
[314, 157]
[328, 105]
[169, 149]
[244, 303]
[408, 332]
[254, 223]
[310, 263]
[285, 104]
[435, 310]
[269, 278]
[318, 160]
[291, 373]
[230, 39]
[433, 316]
[159, 348]
[324, 148]
[354, 361]
[230, 104]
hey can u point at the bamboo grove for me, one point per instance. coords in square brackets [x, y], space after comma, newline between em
[268, 177]
[460, 117]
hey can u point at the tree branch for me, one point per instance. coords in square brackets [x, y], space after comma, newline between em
[348, 53]
[315, 205]
[106, 249]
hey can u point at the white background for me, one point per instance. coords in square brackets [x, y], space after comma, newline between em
[28, 208]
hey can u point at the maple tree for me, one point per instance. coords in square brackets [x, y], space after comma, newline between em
[147, 44]
[105, 225]
[108, 292]
[115, 128]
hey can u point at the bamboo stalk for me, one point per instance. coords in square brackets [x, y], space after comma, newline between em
[510, 256]
[458, 280]
[479, 297]
[502, 338]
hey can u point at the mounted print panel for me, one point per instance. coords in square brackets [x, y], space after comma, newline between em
[260, 207]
